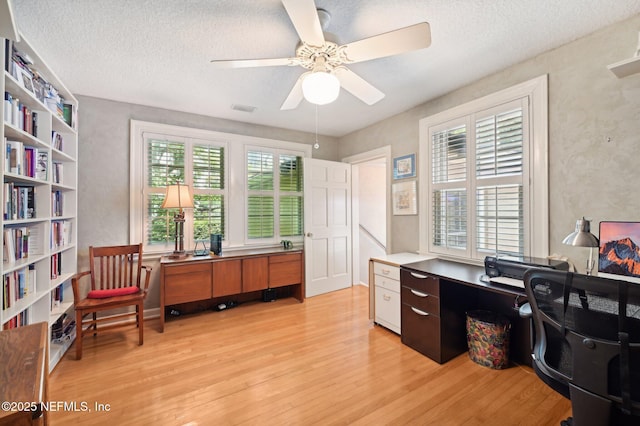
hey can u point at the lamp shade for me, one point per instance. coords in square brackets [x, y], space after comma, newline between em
[582, 236]
[177, 197]
[320, 87]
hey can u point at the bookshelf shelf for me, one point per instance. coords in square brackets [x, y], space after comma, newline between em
[626, 67]
[40, 144]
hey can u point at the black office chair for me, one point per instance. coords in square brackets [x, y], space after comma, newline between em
[587, 343]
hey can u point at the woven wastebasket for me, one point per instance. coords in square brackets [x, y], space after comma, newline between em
[488, 339]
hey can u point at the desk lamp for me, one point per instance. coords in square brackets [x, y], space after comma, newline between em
[582, 237]
[178, 197]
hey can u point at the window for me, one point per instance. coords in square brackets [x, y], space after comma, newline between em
[484, 192]
[247, 188]
[197, 163]
[272, 190]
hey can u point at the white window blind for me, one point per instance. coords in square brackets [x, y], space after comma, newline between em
[275, 199]
[449, 172]
[499, 195]
[478, 201]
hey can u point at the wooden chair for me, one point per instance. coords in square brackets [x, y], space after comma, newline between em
[116, 274]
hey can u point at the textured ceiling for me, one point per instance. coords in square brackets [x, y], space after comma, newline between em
[157, 52]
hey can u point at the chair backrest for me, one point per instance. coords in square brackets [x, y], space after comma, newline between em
[115, 266]
[587, 333]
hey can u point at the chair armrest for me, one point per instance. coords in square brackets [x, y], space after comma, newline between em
[525, 311]
[147, 278]
[76, 285]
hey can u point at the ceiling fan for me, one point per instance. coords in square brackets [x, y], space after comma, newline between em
[326, 60]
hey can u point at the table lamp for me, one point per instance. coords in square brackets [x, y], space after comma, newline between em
[582, 237]
[178, 197]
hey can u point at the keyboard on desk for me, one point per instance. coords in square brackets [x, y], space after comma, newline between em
[508, 281]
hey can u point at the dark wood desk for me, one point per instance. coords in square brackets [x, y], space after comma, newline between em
[435, 299]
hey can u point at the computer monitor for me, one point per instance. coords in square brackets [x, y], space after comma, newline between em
[619, 254]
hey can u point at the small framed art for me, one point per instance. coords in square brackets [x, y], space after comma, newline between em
[404, 167]
[405, 198]
[26, 81]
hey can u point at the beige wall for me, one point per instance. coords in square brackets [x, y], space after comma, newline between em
[103, 155]
[587, 105]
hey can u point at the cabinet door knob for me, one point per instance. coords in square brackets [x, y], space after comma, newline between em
[419, 293]
[422, 277]
[419, 312]
[309, 234]
[386, 297]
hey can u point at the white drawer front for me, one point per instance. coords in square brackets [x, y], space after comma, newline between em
[385, 270]
[388, 283]
[388, 308]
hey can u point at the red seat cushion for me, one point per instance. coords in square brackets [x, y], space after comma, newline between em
[112, 292]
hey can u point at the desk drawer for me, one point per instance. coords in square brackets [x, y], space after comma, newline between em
[421, 282]
[421, 331]
[423, 301]
[388, 283]
[388, 308]
[385, 270]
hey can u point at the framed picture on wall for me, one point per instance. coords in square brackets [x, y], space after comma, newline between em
[404, 167]
[405, 198]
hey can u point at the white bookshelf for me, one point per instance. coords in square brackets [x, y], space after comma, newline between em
[38, 303]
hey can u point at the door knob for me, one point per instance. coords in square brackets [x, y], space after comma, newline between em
[309, 234]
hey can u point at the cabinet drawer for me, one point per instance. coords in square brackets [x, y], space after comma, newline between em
[187, 283]
[289, 257]
[388, 308]
[285, 273]
[385, 270]
[423, 301]
[420, 282]
[421, 331]
[388, 283]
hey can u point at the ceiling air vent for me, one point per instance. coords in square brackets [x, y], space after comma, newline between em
[243, 108]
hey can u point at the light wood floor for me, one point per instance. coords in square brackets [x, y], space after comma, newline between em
[285, 362]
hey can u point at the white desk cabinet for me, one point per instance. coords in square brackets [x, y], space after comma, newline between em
[384, 288]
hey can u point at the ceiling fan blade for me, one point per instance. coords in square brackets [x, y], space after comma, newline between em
[358, 86]
[305, 19]
[248, 63]
[405, 39]
[295, 96]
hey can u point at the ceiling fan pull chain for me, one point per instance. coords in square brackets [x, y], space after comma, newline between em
[316, 145]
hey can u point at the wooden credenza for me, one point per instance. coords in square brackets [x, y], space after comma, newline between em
[241, 272]
[24, 373]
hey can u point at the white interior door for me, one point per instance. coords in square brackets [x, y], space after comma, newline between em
[327, 221]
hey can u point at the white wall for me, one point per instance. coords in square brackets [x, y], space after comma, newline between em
[372, 200]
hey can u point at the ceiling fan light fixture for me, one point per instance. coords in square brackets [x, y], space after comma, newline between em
[320, 87]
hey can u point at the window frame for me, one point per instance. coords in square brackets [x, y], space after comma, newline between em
[535, 165]
[234, 177]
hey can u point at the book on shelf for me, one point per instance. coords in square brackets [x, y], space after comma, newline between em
[57, 140]
[13, 156]
[19, 284]
[69, 115]
[60, 233]
[56, 265]
[57, 172]
[20, 201]
[42, 165]
[19, 320]
[15, 243]
[57, 203]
